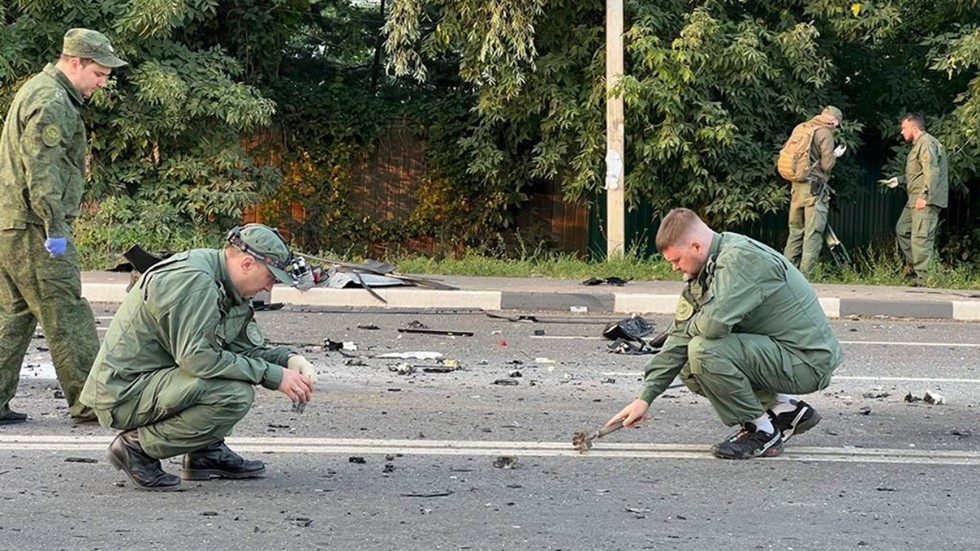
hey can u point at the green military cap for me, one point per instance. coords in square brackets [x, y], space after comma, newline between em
[265, 244]
[835, 112]
[89, 44]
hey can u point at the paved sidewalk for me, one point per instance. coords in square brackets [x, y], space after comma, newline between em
[643, 297]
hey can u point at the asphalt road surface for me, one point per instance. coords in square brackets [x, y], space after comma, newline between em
[401, 454]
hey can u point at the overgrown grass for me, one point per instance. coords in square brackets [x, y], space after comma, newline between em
[557, 266]
[102, 236]
[869, 267]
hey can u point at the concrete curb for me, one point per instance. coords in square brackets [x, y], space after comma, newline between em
[610, 303]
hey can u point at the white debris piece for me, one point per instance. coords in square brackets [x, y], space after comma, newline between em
[412, 355]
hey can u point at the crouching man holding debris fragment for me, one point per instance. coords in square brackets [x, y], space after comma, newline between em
[176, 370]
[748, 332]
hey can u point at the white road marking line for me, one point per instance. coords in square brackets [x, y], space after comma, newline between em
[942, 344]
[835, 378]
[519, 448]
[913, 379]
[570, 337]
[880, 343]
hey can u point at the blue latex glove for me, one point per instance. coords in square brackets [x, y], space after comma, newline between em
[56, 245]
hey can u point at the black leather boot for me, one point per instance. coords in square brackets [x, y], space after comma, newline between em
[217, 461]
[126, 454]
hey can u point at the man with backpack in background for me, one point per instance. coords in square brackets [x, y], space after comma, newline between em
[806, 160]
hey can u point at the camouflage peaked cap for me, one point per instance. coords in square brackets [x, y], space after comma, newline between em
[88, 44]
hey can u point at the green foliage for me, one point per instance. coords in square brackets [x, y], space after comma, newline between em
[168, 130]
[103, 234]
[712, 89]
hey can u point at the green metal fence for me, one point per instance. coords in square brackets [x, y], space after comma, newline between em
[866, 216]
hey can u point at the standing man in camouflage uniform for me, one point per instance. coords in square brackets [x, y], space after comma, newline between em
[177, 366]
[927, 182]
[42, 176]
[748, 331]
[810, 200]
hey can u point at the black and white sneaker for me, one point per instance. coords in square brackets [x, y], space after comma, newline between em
[798, 421]
[748, 443]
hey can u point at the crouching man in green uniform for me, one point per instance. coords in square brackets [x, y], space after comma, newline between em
[176, 370]
[748, 332]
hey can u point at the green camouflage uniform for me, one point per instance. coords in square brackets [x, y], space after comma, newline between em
[808, 210]
[181, 356]
[42, 155]
[747, 327]
[927, 177]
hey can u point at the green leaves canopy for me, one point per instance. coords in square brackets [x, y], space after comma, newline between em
[167, 131]
[712, 89]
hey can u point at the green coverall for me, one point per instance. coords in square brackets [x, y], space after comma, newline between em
[181, 356]
[808, 210]
[42, 167]
[926, 177]
[747, 327]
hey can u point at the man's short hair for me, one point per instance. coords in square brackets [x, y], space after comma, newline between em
[675, 226]
[915, 119]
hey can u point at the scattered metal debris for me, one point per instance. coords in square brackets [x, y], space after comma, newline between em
[356, 459]
[261, 305]
[368, 326]
[927, 397]
[333, 346]
[505, 462]
[80, 460]
[617, 281]
[506, 382]
[411, 355]
[444, 332]
[432, 494]
[865, 410]
[446, 366]
[402, 368]
[933, 398]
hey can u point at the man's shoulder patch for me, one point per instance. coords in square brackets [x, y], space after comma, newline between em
[51, 135]
[684, 309]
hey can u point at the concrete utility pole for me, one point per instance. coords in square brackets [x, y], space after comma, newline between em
[615, 138]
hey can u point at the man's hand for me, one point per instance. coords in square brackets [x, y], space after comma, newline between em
[839, 150]
[303, 366]
[920, 203]
[56, 246]
[296, 386]
[631, 415]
